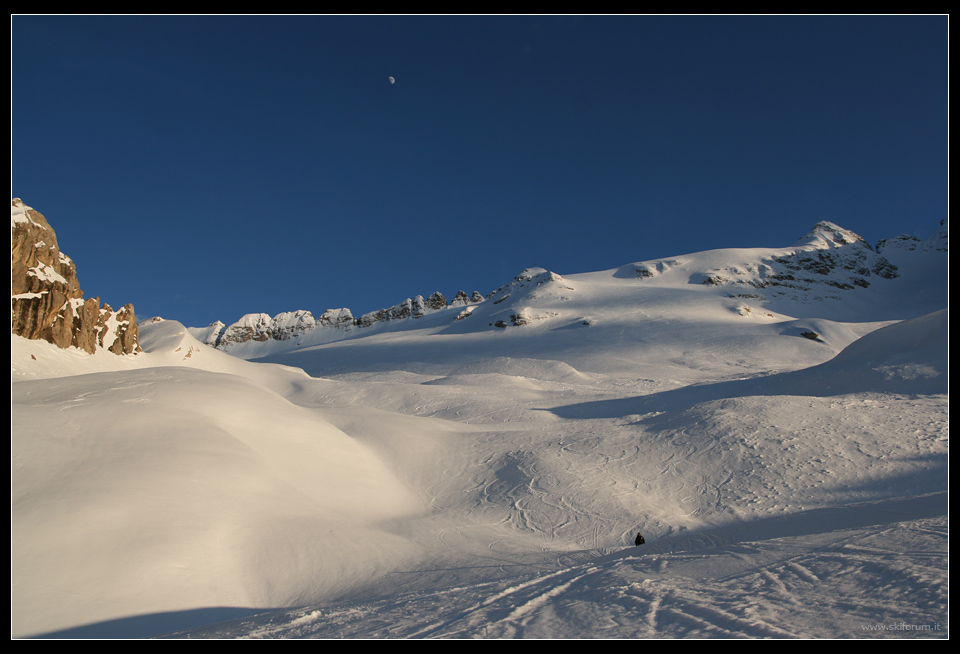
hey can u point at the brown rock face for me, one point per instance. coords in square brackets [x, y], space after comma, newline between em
[47, 303]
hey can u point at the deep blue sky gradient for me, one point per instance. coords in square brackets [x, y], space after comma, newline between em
[207, 167]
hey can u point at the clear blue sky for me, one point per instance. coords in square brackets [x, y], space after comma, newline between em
[207, 167]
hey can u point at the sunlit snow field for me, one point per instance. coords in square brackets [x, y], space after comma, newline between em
[457, 480]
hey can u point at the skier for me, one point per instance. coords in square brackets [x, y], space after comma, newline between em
[639, 540]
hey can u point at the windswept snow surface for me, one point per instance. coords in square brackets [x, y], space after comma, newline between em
[441, 479]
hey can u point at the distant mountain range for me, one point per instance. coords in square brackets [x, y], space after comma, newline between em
[829, 263]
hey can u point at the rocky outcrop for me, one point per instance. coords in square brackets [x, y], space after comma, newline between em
[408, 308]
[416, 307]
[208, 335]
[435, 302]
[291, 324]
[826, 260]
[260, 327]
[531, 285]
[46, 300]
[839, 258]
[461, 299]
[251, 327]
[337, 319]
[937, 242]
[537, 282]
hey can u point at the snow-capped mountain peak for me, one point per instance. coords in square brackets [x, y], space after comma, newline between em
[827, 235]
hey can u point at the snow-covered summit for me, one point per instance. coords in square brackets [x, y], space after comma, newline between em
[827, 235]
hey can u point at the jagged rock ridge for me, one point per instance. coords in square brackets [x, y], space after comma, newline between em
[261, 327]
[47, 302]
[299, 325]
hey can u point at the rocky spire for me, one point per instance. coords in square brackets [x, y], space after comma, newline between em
[47, 303]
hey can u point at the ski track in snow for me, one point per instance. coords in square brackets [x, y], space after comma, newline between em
[488, 483]
[780, 591]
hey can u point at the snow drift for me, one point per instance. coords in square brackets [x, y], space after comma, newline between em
[457, 478]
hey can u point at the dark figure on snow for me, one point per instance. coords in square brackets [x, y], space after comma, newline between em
[639, 540]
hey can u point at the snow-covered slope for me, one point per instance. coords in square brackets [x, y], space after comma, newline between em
[177, 486]
[870, 570]
[785, 461]
[829, 273]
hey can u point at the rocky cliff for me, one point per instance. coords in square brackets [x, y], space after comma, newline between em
[47, 302]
